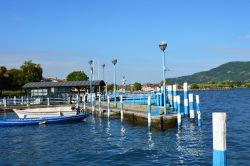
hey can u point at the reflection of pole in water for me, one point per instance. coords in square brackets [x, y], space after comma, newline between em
[150, 140]
[108, 131]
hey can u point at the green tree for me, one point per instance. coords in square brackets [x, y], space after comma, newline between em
[137, 86]
[77, 76]
[194, 86]
[15, 79]
[2, 78]
[31, 72]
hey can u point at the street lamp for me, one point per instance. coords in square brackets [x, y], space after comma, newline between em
[90, 88]
[114, 61]
[163, 46]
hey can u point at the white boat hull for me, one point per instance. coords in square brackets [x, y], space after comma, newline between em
[44, 112]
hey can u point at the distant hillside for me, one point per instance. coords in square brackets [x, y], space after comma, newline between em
[232, 71]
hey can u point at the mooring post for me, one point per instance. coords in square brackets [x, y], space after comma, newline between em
[170, 96]
[121, 100]
[22, 100]
[175, 94]
[198, 109]
[219, 139]
[27, 101]
[185, 89]
[14, 100]
[149, 112]
[84, 103]
[93, 103]
[99, 104]
[4, 102]
[48, 101]
[191, 106]
[108, 106]
[179, 111]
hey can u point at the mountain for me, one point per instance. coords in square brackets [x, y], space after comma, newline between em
[231, 71]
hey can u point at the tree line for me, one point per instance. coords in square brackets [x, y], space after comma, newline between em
[14, 79]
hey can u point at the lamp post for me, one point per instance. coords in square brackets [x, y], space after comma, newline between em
[91, 74]
[103, 66]
[114, 61]
[163, 46]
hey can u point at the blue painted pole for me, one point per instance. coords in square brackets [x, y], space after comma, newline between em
[178, 111]
[115, 87]
[198, 109]
[108, 106]
[219, 139]
[191, 106]
[121, 101]
[164, 84]
[149, 112]
[185, 88]
[93, 103]
[175, 99]
[170, 97]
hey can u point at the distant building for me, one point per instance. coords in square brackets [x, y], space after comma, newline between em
[151, 87]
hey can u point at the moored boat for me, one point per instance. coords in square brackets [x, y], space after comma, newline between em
[44, 120]
[45, 112]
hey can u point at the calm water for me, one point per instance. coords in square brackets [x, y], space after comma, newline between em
[99, 141]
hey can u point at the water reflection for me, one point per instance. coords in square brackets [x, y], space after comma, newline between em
[150, 140]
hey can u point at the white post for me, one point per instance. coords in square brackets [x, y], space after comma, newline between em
[191, 106]
[48, 101]
[84, 104]
[170, 96]
[27, 101]
[108, 106]
[93, 103]
[178, 111]
[149, 112]
[99, 104]
[219, 138]
[22, 100]
[14, 100]
[175, 94]
[4, 102]
[198, 109]
[121, 100]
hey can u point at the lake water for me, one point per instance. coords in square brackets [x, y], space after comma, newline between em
[101, 142]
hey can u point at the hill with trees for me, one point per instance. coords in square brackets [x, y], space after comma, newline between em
[228, 72]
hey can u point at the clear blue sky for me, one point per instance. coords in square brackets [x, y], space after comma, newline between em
[62, 35]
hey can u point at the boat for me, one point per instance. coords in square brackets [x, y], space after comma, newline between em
[42, 121]
[45, 112]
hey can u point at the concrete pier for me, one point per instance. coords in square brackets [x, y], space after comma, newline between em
[138, 115]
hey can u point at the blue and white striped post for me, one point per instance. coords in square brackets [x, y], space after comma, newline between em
[121, 102]
[191, 106]
[170, 96]
[185, 89]
[219, 139]
[179, 111]
[198, 109]
[108, 106]
[149, 112]
[99, 104]
[175, 94]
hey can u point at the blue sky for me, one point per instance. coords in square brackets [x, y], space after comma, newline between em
[63, 35]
